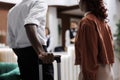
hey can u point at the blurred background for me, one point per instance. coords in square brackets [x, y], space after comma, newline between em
[59, 16]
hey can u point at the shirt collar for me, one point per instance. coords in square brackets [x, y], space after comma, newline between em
[87, 13]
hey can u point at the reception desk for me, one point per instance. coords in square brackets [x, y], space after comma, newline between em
[68, 70]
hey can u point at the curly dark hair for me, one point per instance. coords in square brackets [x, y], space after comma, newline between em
[97, 7]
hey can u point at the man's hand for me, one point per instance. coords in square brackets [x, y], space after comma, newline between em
[46, 58]
[31, 30]
[72, 40]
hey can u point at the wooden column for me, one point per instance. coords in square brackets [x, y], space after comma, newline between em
[65, 26]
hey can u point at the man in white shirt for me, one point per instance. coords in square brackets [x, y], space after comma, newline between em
[71, 33]
[26, 36]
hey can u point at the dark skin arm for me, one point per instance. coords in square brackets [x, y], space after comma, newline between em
[31, 30]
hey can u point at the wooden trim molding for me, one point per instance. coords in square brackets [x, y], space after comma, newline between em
[4, 5]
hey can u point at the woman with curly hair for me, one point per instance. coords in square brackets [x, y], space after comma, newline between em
[94, 44]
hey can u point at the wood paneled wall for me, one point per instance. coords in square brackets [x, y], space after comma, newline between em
[4, 8]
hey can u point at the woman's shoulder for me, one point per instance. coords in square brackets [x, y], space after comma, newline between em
[87, 21]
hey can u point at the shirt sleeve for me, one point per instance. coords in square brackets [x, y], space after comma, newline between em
[110, 32]
[37, 14]
[87, 50]
[67, 38]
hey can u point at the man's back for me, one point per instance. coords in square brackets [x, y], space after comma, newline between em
[22, 14]
[26, 36]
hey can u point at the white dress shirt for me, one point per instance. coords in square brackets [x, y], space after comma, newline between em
[26, 12]
[67, 37]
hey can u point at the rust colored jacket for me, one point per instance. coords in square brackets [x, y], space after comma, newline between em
[93, 46]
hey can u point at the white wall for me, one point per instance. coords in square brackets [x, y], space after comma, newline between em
[118, 10]
[53, 25]
[113, 7]
[11, 1]
[62, 2]
[50, 2]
